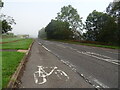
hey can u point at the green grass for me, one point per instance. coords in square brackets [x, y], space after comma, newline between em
[23, 44]
[10, 39]
[87, 44]
[10, 61]
[0, 70]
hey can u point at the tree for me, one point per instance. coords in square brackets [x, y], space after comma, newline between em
[7, 23]
[42, 33]
[100, 27]
[5, 27]
[92, 25]
[1, 3]
[58, 30]
[113, 9]
[70, 15]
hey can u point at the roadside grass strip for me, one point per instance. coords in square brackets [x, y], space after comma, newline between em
[0, 68]
[10, 62]
[24, 44]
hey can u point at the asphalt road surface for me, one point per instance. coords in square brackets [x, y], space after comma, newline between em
[45, 70]
[98, 65]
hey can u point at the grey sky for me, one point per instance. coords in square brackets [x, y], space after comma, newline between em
[32, 15]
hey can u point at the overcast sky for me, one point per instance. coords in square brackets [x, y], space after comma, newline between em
[32, 15]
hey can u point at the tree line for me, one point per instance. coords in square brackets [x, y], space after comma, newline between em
[99, 26]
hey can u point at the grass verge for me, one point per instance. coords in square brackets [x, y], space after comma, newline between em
[23, 44]
[10, 39]
[0, 70]
[10, 61]
[87, 44]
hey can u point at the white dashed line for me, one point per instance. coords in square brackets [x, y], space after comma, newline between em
[100, 83]
[46, 48]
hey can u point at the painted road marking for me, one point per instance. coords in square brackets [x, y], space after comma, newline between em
[73, 67]
[97, 83]
[42, 74]
[58, 74]
[98, 56]
[101, 57]
[100, 83]
[46, 48]
[39, 43]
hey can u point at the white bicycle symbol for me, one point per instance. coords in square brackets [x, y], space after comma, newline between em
[41, 74]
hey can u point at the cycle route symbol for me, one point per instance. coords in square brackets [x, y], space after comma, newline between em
[40, 76]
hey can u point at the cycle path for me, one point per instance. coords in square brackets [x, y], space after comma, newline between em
[54, 72]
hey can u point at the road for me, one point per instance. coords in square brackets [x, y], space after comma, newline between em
[98, 65]
[45, 70]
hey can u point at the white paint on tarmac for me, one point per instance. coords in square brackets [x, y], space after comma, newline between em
[91, 54]
[39, 43]
[40, 76]
[101, 57]
[100, 83]
[60, 73]
[73, 67]
[46, 48]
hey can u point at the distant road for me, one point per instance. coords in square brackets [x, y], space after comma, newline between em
[98, 65]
